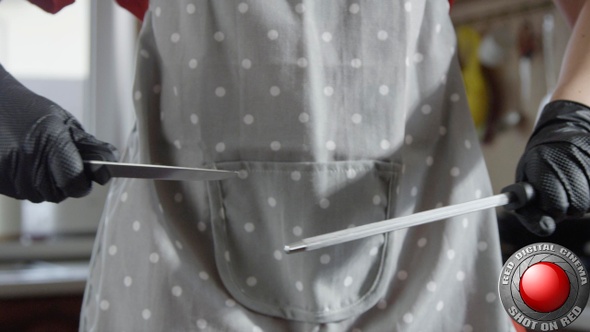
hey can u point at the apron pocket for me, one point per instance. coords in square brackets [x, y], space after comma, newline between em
[271, 204]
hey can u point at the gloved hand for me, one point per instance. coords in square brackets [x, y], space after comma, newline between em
[42, 147]
[556, 162]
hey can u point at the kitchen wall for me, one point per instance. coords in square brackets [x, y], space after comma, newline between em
[522, 80]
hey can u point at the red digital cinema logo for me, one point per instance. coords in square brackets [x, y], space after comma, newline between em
[544, 287]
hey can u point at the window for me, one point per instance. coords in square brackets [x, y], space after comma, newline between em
[81, 58]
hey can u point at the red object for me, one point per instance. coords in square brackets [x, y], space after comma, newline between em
[52, 6]
[136, 7]
[544, 287]
[518, 327]
[139, 7]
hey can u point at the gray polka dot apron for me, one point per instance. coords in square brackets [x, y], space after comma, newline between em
[335, 114]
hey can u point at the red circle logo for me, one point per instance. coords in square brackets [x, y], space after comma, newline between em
[544, 287]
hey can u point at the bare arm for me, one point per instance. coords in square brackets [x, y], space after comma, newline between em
[556, 160]
[574, 77]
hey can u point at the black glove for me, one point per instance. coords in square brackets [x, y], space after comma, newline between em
[42, 147]
[556, 162]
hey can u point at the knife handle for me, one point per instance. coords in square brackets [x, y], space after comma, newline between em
[97, 173]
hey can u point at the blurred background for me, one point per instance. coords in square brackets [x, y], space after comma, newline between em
[83, 58]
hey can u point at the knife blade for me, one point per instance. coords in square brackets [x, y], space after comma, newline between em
[156, 172]
[512, 197]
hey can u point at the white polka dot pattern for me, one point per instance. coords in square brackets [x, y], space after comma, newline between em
[278, 96]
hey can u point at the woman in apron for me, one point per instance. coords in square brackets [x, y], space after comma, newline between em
[334, 114]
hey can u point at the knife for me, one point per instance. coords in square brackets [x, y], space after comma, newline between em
[512, 197]
[97, 168]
